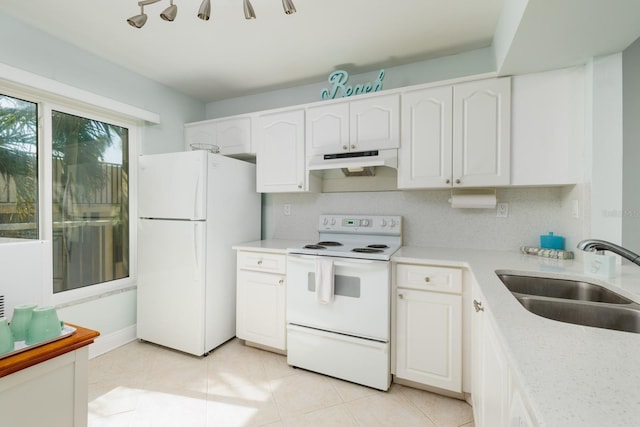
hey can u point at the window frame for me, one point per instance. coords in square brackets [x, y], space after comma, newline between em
[46, 104]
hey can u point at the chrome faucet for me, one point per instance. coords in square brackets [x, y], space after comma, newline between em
[593, 245]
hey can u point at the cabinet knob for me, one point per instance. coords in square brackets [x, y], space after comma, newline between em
[478, 306]
[299, 185]
[401, 296]
[353, 146]
[344, 147]
[281, 282]
[427, 279]
[448, 181]
[260, 262]
[458, 181]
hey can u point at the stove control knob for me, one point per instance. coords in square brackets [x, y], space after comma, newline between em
[383, 222]
[333, 221]
[325, 221]
[392, 223]
[364, 223]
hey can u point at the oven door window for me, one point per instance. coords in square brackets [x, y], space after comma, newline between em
[346, 286]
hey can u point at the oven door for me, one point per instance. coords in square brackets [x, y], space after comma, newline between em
[361, 303]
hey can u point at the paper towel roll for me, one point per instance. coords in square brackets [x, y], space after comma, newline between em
[474, 200]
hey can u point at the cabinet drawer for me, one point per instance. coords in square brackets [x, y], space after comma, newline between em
[262, 261]
[429, 278]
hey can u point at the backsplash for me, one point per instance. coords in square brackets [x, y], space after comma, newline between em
[428, 219]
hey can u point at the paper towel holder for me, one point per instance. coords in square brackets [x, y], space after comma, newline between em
[473, 198]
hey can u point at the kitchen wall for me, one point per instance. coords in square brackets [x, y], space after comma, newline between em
[429, 219]
[26, 48]
[29, 49]
[631, 147]
[474, 62]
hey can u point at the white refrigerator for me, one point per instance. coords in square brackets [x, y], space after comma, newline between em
[193, 206]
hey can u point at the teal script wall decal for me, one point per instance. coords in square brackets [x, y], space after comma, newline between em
[340, 89]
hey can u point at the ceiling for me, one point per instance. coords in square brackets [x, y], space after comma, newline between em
[229, 56]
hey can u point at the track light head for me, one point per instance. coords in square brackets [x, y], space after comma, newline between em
[204, 12]
[288, 7]
[169, 14]
[248, 10]
[138, 21]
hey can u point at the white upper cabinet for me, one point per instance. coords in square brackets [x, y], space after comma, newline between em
[327, 129]
[482, 133]
[548, 128]
[425, 159]
[456, 136]
[280, 161]
[367, 124]
[232, 136]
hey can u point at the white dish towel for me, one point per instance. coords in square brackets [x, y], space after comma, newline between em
[324, 281]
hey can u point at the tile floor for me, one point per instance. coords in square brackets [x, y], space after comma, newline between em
[142, 384]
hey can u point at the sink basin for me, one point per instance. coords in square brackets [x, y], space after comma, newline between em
[574, 301]
[606, 316]
[561, 288]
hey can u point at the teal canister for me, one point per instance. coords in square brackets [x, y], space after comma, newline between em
[552, 242]
[6, 337]
[20, 321]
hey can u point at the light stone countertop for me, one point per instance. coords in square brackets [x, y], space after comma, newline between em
[569, 375]
[270, 245]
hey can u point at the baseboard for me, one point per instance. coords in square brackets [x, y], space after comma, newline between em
[105, 343]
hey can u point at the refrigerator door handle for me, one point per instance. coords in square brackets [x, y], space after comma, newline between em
[196, 234]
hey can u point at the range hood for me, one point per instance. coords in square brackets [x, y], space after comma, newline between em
[359, 163]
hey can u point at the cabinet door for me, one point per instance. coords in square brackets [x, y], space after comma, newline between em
[280, 161]
[374, 123]
[429, 338]
[199, 133]
[261, 308]
[490, 384]
[327, 129]
[424, 159]
[233, 136]
[481, 133]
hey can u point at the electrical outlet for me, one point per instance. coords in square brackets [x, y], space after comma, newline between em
[502, 210]
[286, 209]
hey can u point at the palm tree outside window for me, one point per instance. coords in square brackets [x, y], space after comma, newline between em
[89, 187]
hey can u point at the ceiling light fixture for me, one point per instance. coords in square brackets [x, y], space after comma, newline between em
[248, 10]
[138, 21]
[288, 7]
[204, 12]
[169, 14]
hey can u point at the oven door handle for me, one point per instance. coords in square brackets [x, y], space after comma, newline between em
[337, 261]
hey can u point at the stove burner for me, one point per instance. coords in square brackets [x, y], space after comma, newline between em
[314, 247]
[367, 250]
[378, 246]
[329, 243]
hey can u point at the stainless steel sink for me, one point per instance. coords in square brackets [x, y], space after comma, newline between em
[561, 288]
[617, 317]
[574, 301]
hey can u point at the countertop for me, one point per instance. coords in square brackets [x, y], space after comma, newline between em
[570, 375]
[80, 338]
[271, 245]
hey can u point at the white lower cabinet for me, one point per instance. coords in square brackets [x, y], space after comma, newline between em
[496, 399]
[428, 331]
[261, 299]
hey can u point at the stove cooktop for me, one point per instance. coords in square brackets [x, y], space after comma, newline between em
[355, 236]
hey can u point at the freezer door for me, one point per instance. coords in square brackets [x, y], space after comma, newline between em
[173, 185]
[171, 278]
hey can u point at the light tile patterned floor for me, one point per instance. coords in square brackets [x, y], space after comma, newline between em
[142, 384]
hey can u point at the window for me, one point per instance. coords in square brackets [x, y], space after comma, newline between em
[18, 168]
[90, 201]
[81, 203]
